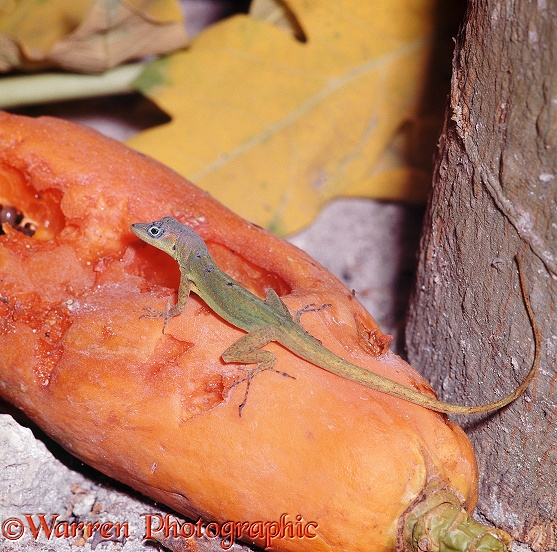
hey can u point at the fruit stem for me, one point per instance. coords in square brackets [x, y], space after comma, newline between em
[437, 522]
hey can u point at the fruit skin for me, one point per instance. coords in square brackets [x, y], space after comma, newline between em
[157, 411]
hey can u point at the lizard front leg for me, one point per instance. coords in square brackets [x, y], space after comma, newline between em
[171, 312]
[247, 350]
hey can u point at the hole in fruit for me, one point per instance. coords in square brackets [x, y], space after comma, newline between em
[10, 215]
[24, 209]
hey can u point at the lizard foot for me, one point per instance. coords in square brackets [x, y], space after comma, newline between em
[312, 307]
[249, 377]
[150, 312]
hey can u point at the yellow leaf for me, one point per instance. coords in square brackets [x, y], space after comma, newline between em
[88, 35]
[274, 127]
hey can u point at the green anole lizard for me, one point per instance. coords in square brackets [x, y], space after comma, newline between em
[270, 320]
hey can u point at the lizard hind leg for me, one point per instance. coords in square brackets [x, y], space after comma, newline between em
[312, 307]
[276, 303]
[247, 350]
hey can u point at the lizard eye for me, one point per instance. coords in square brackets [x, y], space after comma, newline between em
[155, 231]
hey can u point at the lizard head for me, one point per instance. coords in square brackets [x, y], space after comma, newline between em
[170, 236]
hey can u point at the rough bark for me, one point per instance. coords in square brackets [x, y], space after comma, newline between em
[495, 196]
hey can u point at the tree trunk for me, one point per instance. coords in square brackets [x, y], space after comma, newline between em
[494, 197]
